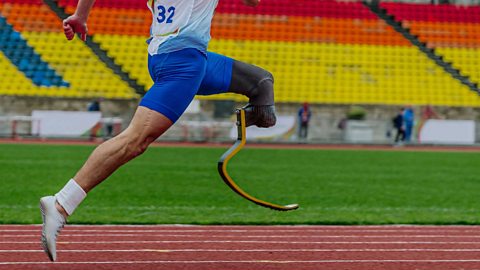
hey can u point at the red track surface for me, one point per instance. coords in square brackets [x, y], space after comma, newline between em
[246, 247]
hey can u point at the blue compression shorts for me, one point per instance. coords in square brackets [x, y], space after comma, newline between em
[179, 76]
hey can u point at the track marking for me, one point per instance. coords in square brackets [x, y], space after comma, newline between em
[241, 261]
[245, 241]
[69, 229]
[247, 236]
[254, 227]
[243, 250]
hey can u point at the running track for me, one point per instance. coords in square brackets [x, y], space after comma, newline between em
[246, 247]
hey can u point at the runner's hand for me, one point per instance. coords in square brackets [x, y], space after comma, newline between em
[75, 24]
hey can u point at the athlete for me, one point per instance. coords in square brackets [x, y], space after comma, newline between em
[181, 68]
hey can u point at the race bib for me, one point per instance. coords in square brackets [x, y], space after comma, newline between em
[169, 16]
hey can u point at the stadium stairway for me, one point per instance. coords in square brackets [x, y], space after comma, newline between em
[448, 66]
[102, 54]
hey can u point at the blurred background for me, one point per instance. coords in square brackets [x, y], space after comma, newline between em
[372, 72]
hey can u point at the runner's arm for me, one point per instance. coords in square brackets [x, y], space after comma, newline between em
[77, 23]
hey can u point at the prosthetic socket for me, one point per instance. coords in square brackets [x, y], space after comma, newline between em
[257, 84]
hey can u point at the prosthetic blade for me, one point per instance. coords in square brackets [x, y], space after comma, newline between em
[222, 167]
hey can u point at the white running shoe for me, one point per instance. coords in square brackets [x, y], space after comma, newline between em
[53, 222]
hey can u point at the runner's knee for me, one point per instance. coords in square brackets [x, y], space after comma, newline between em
[146, 126]
[136, 147]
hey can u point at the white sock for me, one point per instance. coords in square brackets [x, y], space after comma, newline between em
[70, 196]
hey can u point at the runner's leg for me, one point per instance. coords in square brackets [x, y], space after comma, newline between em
[177, 77]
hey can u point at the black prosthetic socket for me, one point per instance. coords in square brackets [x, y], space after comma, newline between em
[261, 116]
[257, 84]
[253, 82]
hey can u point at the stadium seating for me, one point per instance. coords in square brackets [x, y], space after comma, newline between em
[453, 30]
[321, 51]
[57, 67]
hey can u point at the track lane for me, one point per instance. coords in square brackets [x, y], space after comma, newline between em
[246, 247]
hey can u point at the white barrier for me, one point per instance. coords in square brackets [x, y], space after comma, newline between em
[448, 132]
[21, 126]
[65, 123]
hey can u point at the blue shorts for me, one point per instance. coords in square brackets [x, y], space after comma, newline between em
[179, 76]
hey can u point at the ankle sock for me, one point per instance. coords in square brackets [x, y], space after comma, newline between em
[70, 196]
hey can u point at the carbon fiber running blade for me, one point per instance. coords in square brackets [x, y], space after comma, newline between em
[232, 151]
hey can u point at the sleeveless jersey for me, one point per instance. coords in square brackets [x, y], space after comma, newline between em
[180, 24]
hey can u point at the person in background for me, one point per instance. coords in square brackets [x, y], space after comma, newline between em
[427, 113]
[94, 106]
[304, 115]
[409, 121]
[398, 125]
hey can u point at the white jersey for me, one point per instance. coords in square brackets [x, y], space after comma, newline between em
[180, 24]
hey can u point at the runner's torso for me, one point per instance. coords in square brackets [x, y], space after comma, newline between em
[180, 24]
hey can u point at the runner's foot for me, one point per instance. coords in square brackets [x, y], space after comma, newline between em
[53, 222]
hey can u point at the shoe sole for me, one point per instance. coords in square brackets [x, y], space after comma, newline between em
[44, 238]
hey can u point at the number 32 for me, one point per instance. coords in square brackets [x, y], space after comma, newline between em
[162, 14]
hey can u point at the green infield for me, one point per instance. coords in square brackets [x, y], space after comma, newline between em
[170, 185]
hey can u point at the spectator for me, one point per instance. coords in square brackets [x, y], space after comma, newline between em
[429, 113]
[398, 124]
[409, 121]
[304, 115]
[94, 106]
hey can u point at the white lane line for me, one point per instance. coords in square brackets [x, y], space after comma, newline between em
[243, 250]
[243, 261]
[262, 227]
[70, 229]
[248, 236]
[249, 241]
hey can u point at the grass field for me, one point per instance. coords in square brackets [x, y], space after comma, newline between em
[181, 185]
